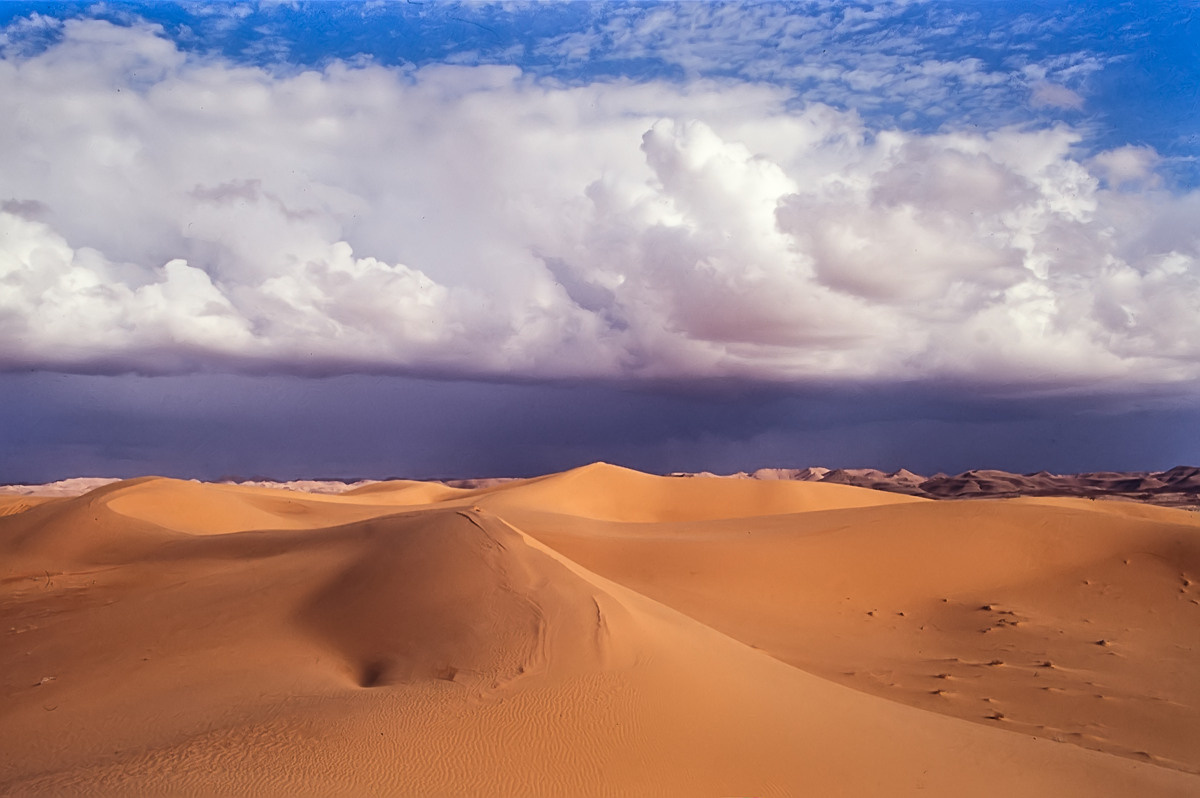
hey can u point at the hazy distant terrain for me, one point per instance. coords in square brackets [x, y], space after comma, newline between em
[1176, 487]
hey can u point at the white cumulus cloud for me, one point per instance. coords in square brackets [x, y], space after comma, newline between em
[166, 212]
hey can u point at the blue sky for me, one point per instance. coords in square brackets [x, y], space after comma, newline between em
[919, 234]
[1133, 64]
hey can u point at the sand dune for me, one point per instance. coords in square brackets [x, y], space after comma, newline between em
[611, 493]
[596, 632]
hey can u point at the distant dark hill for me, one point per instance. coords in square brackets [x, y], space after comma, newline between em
[1177, 487]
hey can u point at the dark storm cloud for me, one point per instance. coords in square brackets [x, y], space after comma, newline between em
[212, 426]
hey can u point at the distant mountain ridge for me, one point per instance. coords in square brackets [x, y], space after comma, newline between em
[1175, 487]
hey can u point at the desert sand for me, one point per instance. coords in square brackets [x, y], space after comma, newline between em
[595, 632]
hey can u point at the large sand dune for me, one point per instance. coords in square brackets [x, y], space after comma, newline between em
[596, 632]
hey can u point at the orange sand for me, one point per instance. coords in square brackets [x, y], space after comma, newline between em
[596, 632]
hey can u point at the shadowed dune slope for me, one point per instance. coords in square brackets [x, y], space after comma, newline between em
[11, 505]
[455, 595]
[404, 491]
[172, 638]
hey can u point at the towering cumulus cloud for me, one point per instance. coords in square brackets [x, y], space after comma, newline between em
[165, 211]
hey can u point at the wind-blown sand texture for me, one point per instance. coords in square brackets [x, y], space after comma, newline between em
[595, 632]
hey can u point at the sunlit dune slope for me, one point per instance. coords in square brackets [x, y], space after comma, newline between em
[173, 638]
[123, 520]
[200, 509]
[611, 493]
[1069, 619]
[70, 533]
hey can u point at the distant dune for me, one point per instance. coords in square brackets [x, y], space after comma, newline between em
[602, 632]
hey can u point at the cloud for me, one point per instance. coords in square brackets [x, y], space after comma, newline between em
[167, 213]
[1052, 95]
[912, 65]
[211, 426]
[1127, 166]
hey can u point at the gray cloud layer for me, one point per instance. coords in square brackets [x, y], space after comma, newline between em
[214, 425]
[166, 213]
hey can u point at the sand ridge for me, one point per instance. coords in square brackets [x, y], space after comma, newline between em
[599, 632]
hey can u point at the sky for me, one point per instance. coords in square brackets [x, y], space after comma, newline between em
[432, 239]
